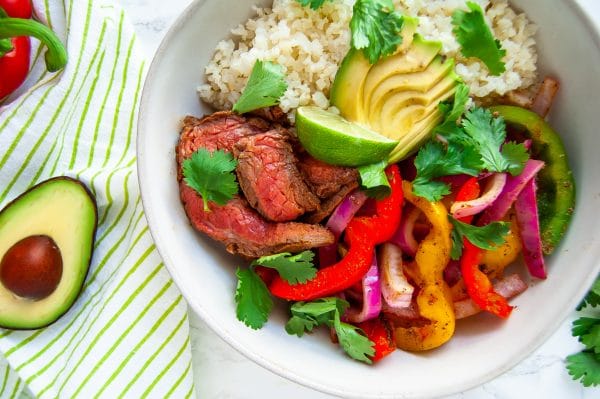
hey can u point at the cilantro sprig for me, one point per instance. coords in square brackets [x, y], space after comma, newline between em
[374, 181]
[314, 4]
[252, 297]
[327, 311]
[476, 38]
[468, 142]
[211, 174]
[265, 87]
[585, 365]
[484, 237]
[375, 28]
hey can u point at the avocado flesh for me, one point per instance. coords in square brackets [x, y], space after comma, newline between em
[62, 209]
[398, 96]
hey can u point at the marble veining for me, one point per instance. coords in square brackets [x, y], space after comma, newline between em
[221, 372]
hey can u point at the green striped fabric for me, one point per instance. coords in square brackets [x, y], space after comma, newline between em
[127, 335]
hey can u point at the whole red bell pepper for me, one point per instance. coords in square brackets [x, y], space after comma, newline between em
[479, 286]
[362, 235]
[15, 45]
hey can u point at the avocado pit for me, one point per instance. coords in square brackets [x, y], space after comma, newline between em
[32, 268]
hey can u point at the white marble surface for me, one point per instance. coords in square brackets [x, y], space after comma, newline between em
[221, 372]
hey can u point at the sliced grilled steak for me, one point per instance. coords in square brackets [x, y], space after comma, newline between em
[245, 232]
[236, 224]
[331, 183]
[326, 180]
[270, 179]
[218, 131]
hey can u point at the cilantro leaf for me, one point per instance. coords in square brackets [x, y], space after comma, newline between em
[314, 4]
[436, 160]
[375, 28]
[476, 38]
[588, 331]
[265, 86]
[294, 269]
[355, 344]
[585, 366]
[211, 175]
[253, 299]
[488, 134]
[327, 311]
[452, 112]
[374, 181]
[593, 296]
[484, 237]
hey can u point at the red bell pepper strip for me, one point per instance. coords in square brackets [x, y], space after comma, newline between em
[362, 234]
[380, 335]
[479, 286]
[15, 47]
[17, 8]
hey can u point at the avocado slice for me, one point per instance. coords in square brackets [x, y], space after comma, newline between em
[354, 69]
[399, 95]
[46, 241]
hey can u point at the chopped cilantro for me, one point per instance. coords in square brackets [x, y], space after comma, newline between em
[436, 160]
[265, 86]
[476, 38]
[488, 134]
[211, 175]
[314, 4]
[295, 269]
[375, 28]
[253, 298]
[585, 365]
[374, 181]
[484, 237]
[453, 112]
[328, 311]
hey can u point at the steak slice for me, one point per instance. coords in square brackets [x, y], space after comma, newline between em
[326, 180]
[270, 179]
[330, 183]
[245, 232]
[218, 131]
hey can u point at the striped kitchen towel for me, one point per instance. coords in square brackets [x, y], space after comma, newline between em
[128, 334]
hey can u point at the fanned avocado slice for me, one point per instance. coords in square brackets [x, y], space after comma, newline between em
[46, 242]
[399, 95]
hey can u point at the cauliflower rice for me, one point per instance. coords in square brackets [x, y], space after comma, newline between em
[310, 45]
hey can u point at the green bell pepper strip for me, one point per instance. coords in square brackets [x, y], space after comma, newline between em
[55, 57]
[556, 194]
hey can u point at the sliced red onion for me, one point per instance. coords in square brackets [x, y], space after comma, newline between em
[371, 304]
[493, 189]
[512, 188]
[452, 273]
[545, 96]
[395, 288]
[529, 226]
[337, 223]
[508, 287]
[404, 237]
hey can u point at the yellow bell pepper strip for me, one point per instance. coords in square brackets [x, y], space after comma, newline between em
[434, 299]
[497, 259]
[362, 235]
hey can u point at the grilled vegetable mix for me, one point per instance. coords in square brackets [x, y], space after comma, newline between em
[16, 28]
[425, 241]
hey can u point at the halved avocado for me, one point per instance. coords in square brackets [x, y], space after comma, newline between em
[46, 241]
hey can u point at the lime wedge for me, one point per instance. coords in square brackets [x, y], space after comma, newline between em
[336, 141]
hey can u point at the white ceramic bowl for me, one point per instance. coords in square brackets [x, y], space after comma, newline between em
[483, 347]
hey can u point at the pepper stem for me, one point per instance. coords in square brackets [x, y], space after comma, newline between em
[5, 47]
[56, 56]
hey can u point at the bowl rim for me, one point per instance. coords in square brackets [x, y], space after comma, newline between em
[466, 384]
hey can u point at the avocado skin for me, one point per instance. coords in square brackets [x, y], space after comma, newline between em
[26, 323]
[360, 90]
